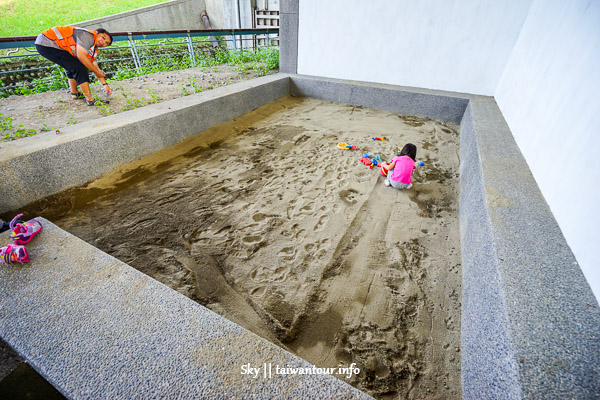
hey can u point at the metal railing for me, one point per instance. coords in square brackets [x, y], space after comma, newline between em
[22, 66]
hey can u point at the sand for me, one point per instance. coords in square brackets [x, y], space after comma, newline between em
[265, 221]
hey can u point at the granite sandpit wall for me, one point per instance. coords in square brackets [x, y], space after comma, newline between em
[530, 323]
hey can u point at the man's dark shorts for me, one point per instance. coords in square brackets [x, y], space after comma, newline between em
[75, 69]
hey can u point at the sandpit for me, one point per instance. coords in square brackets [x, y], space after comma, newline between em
[266, 222]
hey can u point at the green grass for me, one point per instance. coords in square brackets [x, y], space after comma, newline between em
[30, 17]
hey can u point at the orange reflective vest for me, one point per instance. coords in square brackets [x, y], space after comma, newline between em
[63, 36]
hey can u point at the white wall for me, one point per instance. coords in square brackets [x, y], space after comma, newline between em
[550, 97]
[456, 45]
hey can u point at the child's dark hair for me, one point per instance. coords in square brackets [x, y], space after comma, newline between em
[102, 30]
[409, 150]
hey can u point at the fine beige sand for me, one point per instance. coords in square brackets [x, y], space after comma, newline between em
[265, 221]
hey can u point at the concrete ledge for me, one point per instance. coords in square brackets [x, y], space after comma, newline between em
[445, 106]
[96, 328]
[37, 167]
[530, 322]
[487, 354]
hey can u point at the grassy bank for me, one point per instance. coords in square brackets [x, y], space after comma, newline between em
[30, 17]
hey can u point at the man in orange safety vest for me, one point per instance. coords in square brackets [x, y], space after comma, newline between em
[75, 49]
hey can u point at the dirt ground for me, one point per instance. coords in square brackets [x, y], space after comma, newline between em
[267, 222]
[52, 110]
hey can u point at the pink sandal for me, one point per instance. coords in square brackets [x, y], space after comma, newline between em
[13, 253]
[23, 233]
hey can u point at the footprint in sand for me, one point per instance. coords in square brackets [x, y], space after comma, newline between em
[321, 223]
[317, 249]
[349, 196]
[261, 274]
[252, 239]
[258, 291]
[327, 169]
[275, 181]
[300, 234]
[308, 208]
[143, 225]
[294, 232]
[222, 184]
[259, 217]
[280, 274]
[172, 198]
[287, 253]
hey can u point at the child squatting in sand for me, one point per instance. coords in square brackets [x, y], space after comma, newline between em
[399, 171]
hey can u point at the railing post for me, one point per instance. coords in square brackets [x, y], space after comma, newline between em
[191, 49]
[233, 40]
[134, 53]
[64, 75]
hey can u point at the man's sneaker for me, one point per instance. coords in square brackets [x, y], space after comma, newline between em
[23, 233]
[13, 253]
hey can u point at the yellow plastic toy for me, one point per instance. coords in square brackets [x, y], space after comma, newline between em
[346, 146]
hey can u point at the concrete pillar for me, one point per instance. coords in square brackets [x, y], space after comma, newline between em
[288, 34]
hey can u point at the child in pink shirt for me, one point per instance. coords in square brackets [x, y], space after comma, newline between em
[401, 168]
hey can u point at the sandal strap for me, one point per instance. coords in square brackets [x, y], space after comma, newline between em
[13, 222]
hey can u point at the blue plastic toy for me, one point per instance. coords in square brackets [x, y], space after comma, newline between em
[421, 163]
